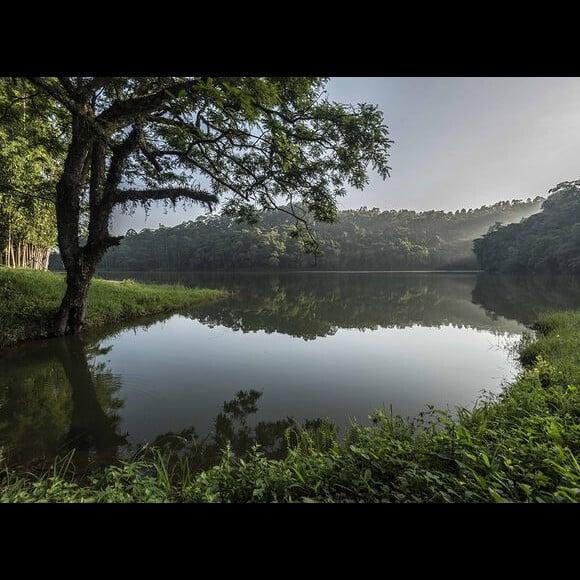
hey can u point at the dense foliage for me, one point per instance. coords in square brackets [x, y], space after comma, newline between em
[361, 239]
[31, 155]
[546, 242]
[520, 446]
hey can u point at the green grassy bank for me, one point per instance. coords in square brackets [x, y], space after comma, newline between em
[520, 446]
[29, 300]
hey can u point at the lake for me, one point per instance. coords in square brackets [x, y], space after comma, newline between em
[285, 349]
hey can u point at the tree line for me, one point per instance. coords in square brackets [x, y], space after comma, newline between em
[548, 241]
[363, 239]
[32, 145]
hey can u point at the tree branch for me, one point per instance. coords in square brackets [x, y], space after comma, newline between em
[149, 154]
[118, 162]
[68, 87]
[170, 193]
[98, 83]
[75, 108]
[123, 111]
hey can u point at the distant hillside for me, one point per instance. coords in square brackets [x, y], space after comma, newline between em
[361, 239]
[548, 241]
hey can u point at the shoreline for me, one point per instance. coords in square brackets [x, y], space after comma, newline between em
[519, 446]
[29, 300]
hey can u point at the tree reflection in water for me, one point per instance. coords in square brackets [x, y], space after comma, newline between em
[231, 428]
[60, 402]
[524, 297]
[316, 305]
[94, 420]
[67, 402]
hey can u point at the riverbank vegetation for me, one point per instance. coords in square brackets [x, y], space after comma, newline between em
[522, 445]
[29, 301]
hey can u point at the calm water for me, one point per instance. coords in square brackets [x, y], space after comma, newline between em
[284, 349]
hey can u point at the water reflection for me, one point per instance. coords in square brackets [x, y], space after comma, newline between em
[55, 398]
[315, 305]
[233, 427]
[522, 298]
[67, 401]
[193, 382]
[94, 419]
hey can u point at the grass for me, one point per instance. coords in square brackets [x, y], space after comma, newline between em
[29, 300]
[520, 446]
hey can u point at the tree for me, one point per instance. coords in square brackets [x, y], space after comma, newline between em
[31, 154]
[247, 142]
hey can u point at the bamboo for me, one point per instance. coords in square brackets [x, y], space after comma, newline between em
[9, 244]
[24, 255]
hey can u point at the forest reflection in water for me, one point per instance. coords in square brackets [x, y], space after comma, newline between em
[67, 401]
[63, 394]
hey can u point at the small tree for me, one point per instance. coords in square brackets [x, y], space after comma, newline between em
[250, 143]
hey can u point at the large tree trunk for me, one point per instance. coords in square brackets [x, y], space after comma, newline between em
[71, 314]
[81, 261]
[79, 271]
[86, 165]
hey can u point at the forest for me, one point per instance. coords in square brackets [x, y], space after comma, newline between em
[364, 239]
[545, 242]
[31, 154]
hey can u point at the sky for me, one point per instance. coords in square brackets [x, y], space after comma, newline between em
[458, 142]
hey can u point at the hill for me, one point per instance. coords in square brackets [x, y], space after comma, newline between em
[360, 239]
[548, 241]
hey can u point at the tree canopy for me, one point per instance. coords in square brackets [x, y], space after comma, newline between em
[249, 143]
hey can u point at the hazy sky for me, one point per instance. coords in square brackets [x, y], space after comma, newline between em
[458, 142]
